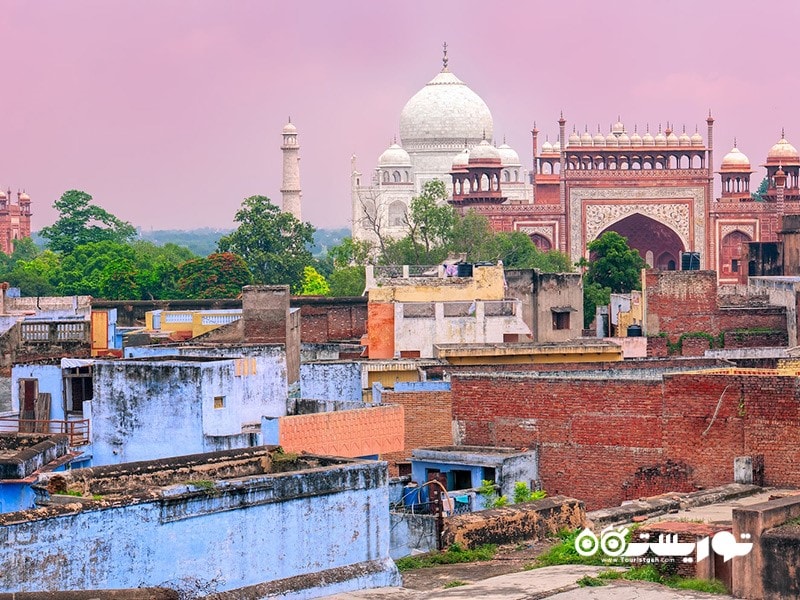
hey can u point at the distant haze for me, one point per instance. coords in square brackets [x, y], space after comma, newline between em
[169, 113]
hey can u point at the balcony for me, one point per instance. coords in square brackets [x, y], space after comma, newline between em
[55, 332]
[78, 430]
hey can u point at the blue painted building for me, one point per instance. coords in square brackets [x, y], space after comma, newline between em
[256, 521]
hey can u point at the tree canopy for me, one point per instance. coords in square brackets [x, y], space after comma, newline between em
[273, 244]
[613, 266]
[81, 222]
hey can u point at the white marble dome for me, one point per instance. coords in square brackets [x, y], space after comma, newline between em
[697, 139]
[445, 113]
[547, 147]
[394, 156]
[289, 128]
[509, 156]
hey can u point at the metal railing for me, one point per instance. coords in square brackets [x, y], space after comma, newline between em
[78, 431]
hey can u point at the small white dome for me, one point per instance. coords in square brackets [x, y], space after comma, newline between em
[586, 139]
[624, 140]
[3, 195]
[684, 139]
[574, 139]
[394, 156]
[636, 139]
[697, 139]
[611, 140]
[547, 147]
[599, 139]
[647, 139]
[618, 128]
[661, 139]
[508, 156]
[23, 197]
[289, 128]
[484, 151]
[557, 147]
[672, 139]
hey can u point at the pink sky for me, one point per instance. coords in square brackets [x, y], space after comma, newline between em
[169, 113]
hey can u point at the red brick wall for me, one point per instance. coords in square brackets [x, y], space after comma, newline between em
[428, 422]
[605, 441]
[681, 302]
[332, 319]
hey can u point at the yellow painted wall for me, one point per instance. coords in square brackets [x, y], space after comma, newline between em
[486, 283]
[545, 358]
[634, 316]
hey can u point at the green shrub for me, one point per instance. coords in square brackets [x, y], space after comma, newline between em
[588, 581]
[454, 554]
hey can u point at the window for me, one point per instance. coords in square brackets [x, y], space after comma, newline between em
[560, 320]
[489, 474]
[219, 401]
[78, 388]
[461, 479]
[734, 266]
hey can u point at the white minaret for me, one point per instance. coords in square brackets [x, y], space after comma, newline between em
[290, 190]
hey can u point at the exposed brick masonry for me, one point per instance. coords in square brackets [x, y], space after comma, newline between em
[605, 441]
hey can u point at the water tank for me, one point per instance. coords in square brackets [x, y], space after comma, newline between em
[634, 331]
[464, 270]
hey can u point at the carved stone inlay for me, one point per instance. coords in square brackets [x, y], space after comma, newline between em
[730, 228]
[600, 216]
[543, 230]
[679, 208]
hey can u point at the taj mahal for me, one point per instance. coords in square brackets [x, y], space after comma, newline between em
[654, 187]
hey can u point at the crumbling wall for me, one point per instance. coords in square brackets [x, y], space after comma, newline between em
[226, 535]
[527, 521]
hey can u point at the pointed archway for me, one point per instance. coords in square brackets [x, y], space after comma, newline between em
[651, 239]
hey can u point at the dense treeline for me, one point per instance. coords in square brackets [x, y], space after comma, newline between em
[90, 251]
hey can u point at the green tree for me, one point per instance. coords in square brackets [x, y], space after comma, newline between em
[81, 222]
[430, 222]
[348, 281]
[314, 284]
[273, 244]
[156, 268]
[472, 235]
[219, 275]
[36, 277]
[350, 252]
[87, 268]
[594, 295]
[760, 195]
[614, 264]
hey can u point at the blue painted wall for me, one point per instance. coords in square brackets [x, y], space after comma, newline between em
[245, 532]
[331, 381]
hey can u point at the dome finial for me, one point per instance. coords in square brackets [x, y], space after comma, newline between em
[444, 56]
[734, 141]
[783, 134]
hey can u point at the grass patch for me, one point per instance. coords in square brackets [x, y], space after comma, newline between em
[564, 553]
[454, 583]
[588, 581]
[650, 573]
[454, 554]
[75, 493]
